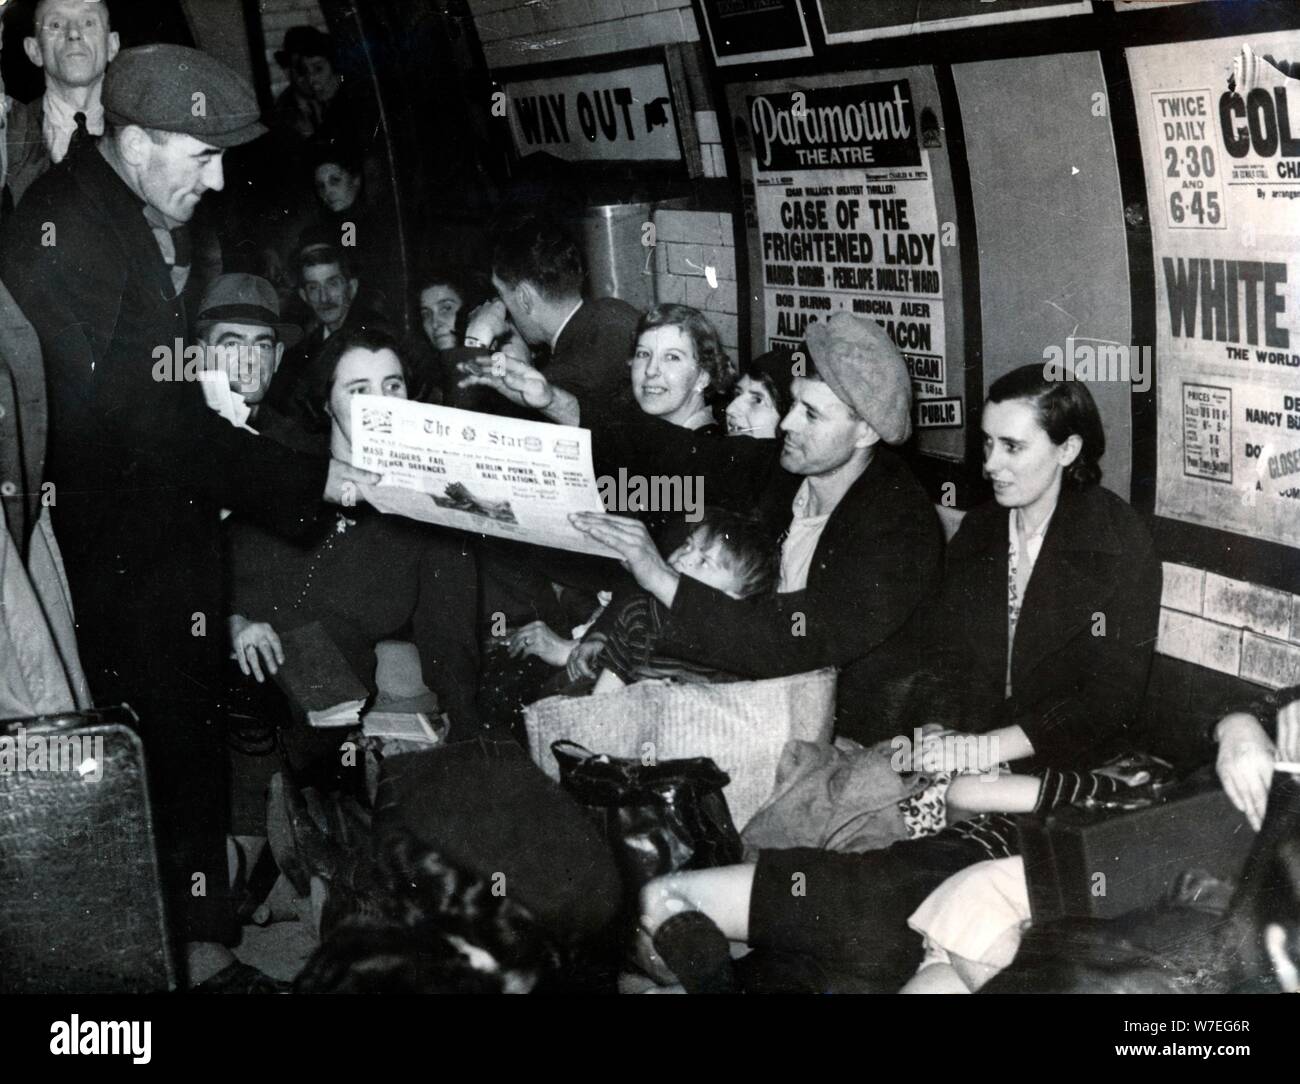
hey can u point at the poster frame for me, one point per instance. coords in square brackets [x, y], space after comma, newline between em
[764, 57]
[635, 58]
[990, 15]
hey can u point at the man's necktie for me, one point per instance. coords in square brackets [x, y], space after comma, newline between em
[81, 136]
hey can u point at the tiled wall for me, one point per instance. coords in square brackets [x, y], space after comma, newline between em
[525, 31]
[277, 17]
[687, 244]
[706, 126]
[1230, 626]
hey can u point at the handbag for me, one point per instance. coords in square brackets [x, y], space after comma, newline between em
[742, 725]
[657, 818]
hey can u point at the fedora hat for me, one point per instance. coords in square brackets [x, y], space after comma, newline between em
[246, 299]
[304, 41]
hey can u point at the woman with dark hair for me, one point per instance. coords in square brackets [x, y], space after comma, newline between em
[761, 397]
[441, 299]
[1039, 643]
[367, 576]
[349, 214]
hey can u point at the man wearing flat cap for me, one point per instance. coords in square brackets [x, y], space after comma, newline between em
[140, 466]
[861, 544]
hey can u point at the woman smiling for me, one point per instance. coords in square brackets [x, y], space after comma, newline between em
[679, 368]
[680, 373]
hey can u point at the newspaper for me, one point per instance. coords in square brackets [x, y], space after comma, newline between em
[477, 472]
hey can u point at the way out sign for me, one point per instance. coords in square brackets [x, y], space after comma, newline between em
[615, 116]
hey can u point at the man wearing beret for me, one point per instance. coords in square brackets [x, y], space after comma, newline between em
[861, 547]
[140, 466]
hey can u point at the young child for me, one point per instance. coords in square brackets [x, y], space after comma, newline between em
[733, 553]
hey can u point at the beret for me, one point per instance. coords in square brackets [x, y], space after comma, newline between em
[863, 367]
[176, 89]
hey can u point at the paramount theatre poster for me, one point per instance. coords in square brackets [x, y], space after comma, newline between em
[848, 206]
[1220, 128]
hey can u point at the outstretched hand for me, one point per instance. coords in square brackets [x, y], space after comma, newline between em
[635, 548]
[509, 376]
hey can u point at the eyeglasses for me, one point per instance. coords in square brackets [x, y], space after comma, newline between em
[57, 28]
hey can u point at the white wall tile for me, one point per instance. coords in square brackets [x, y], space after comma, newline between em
[1246, 605]
[1270, 662]
[1184, 588]
[1193, 639]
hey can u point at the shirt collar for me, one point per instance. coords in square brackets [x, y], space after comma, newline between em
[60, 116]
[1035, 541]
[799, 506]
[560, 331]
[833, 493]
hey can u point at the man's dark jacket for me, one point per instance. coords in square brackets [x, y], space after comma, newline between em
[590, 359]
[141, 466]
[1083, 642]
[877, 560]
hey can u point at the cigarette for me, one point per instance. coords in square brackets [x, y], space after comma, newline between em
[1290, 766]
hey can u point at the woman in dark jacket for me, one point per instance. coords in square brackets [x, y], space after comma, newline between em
[368, 576]
[1040, 641]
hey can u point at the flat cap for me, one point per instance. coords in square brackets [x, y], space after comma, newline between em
[863, 367]
[176, 89]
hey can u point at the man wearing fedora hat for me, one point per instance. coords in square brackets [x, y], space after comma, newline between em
[307, 58]
[861, 544]
[239, 326]
[140, 466]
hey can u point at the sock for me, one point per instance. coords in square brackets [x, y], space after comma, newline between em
[697, 952]
[1066, 788]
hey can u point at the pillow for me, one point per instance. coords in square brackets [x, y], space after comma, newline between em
[742, 725]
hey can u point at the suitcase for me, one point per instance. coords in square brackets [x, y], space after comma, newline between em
[81, 908]
[1096, 863]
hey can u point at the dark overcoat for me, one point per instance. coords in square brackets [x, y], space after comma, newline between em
[1083, 642]
[141, 468]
